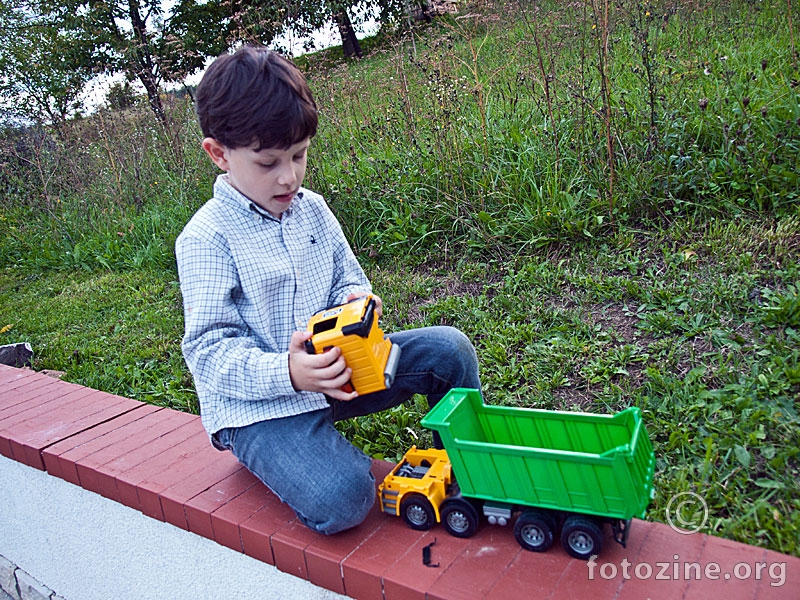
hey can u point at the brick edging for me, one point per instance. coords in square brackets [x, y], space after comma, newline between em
[159, 462]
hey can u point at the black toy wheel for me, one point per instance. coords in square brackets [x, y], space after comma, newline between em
[535, 530]
[581, 537]
[459, 517]
[417, 512]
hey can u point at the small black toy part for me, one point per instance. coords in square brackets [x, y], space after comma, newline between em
[426, 555]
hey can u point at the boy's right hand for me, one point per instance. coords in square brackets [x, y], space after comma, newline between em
[326, 372]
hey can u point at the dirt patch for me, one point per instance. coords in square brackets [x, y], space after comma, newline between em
[617, 318]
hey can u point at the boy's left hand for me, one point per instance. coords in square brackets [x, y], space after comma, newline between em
[326, 373]
[378, 301]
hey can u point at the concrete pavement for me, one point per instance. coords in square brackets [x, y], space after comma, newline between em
[85, 547]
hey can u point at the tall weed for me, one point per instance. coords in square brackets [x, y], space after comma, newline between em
[114, 196]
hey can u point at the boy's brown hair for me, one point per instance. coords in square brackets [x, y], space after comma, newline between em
[255, 97]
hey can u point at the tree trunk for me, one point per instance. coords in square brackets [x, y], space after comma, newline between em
[141, 61]
[350, 43]
[146, 70]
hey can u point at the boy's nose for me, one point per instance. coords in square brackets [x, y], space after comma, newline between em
[287, 176]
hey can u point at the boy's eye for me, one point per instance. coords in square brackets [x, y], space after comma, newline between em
[268, 165]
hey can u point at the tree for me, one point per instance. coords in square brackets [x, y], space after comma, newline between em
[199, 29]
[125, 36]
[350, 44]
[43, 68]
[195, 32]
[53, 47]
[344, 14]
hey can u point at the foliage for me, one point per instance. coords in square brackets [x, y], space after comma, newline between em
[199, 30]
[468, 161]
[195, 31]
[123, 36]
[43, 68]
[55, 48]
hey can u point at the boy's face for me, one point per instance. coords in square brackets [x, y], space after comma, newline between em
[270, 177]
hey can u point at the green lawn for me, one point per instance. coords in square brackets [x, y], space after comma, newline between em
[639, 248]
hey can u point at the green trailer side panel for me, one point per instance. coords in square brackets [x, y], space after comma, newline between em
[595, 464]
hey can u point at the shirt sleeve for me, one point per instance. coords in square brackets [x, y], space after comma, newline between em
[217, 345]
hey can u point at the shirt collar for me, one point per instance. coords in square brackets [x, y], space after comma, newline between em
[224, 190]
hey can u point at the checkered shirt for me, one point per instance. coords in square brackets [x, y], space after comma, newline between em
[248, 282]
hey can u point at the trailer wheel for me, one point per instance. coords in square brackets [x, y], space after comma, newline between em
[417, 512]
[581, 537]
[459, 517]
[535, 530]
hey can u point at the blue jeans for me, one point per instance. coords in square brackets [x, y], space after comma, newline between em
[310, 466]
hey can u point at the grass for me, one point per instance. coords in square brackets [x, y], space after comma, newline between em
[670, 321]
[117, 333]
[470, 167]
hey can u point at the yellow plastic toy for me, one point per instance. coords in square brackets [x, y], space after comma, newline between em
[354, 328]
[417, 486]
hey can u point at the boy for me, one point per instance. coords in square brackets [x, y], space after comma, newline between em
[255, 263]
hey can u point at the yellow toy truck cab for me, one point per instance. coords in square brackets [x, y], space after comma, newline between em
[417, 487]
[354, 328]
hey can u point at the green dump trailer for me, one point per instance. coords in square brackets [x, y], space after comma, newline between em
[555, 471]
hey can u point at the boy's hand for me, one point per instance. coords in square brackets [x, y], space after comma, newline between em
[378, 301]
[326, 372]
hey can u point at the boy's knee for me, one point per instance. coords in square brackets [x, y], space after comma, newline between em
[459, 343]
[354, 510]
[458, 348]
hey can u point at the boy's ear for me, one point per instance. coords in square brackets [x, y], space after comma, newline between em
[216, 152]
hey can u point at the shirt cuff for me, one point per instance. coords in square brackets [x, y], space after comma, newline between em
[275, 377]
